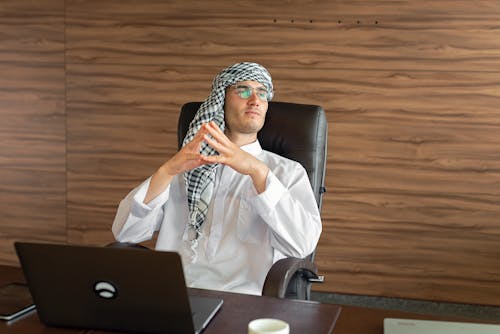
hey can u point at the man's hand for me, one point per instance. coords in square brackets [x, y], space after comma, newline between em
[233, 156]
[187, 158]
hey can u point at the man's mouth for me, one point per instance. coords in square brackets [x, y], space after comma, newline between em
[252, 113]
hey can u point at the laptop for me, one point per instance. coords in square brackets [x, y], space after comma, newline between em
[118, 289]
[412, 326]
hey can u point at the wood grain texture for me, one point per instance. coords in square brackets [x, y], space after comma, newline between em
[411, 91]
[32, 126]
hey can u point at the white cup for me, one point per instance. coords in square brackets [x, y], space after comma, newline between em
[268, 326]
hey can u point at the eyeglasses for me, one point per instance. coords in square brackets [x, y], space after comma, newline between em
[245, 92]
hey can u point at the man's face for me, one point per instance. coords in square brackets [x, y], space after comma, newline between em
[245, 115]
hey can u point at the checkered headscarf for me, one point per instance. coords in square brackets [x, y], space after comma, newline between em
[200, 181]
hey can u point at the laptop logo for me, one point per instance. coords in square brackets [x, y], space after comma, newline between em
[105, 290]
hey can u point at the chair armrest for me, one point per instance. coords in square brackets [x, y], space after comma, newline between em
[118, 244]
[281, 273]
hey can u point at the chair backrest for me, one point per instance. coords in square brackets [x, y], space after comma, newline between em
[295, 131]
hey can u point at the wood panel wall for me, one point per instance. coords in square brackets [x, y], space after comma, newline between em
[411, 91]
[32, 124]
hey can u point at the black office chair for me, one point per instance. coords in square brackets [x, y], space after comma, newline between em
[298, 132]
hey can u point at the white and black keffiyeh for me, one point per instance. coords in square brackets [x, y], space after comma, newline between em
[200, 181]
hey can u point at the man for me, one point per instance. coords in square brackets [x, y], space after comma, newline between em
[228, 207]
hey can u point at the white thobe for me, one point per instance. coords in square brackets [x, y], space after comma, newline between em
[244, 232]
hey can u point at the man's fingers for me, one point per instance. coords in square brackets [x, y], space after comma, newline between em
[214, 144]
[217, 133]
[199, 137]
[192, 156]
[212, 159]
[201, 132]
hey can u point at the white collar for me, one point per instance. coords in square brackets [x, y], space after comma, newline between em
[252, 148]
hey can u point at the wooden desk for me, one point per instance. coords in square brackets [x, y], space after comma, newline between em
[236, 312]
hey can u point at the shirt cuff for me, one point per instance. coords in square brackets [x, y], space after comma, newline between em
[265, 202]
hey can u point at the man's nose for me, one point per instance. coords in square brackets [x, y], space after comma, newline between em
[254, 98]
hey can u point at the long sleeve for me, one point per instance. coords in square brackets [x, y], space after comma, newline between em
[136, 221]
[288, 207]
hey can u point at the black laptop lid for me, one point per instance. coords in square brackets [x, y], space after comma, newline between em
[107, 288]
